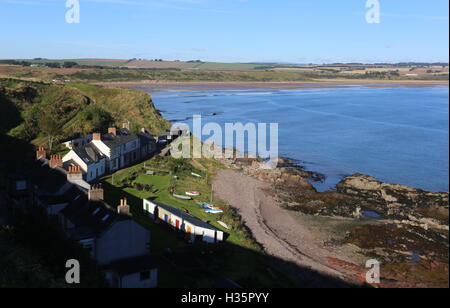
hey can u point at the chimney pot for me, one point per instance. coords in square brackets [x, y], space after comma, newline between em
[96, 136]
[55, 161]
[112, 130]
[41, 152]
[74, 174]
[124, 208]
[96, 193]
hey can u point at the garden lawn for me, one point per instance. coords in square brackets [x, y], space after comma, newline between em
[239, 258]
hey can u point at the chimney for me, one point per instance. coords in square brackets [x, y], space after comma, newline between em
[96, 192]
[55, 161]
[126, 125]
[124, 208]
[41, 153]
[74, 173]
[96, 136]
[112, 130]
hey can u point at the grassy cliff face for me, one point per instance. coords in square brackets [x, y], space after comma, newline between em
[126, 105]
[77, 109]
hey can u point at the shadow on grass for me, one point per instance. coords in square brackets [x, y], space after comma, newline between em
[199, 265]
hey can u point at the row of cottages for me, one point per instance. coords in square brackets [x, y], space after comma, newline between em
[195, 229]
[120, 246]
[107, 153]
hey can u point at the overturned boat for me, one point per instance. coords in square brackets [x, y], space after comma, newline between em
[182, 197]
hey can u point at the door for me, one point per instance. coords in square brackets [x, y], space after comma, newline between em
[177, 224]
[188, 233]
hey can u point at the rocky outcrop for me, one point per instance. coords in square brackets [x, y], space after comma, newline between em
[401, 203]
[281, 171]
[410, 236]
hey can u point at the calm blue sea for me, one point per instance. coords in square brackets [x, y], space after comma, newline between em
[399, 135]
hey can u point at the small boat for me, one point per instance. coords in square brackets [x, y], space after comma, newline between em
[213, 211]
[223, 225]
[196, 175]
[210, 208]
[182, 197]
[192, 193]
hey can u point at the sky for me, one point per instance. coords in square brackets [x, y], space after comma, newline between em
[284, 31]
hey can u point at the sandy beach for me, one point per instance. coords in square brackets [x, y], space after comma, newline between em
[156, 86]
[280, 233]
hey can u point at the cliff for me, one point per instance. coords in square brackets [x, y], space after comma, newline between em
[76, 108]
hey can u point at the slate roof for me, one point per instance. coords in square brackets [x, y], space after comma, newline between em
[67, 197]
[80, 211]
[186, 216]
[145, 138]
[90, 217]
[89, 153]
[122, 137]
[49, 180]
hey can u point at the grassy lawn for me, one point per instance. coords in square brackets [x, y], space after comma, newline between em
[238, 258]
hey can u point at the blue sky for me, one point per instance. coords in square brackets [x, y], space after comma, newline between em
[309, 31]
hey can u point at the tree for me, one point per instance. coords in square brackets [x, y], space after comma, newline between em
[51, 127]
[52, 64]
[69, 64]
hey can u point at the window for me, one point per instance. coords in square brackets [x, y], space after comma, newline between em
[145, 276]
[105, 217]
[21, 185]
[95, 212]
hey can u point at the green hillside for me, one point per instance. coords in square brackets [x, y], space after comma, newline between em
[45, 114]
[27, 108]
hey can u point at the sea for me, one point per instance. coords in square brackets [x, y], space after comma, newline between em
[396, 134]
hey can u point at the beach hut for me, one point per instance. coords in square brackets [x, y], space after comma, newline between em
[182, 221]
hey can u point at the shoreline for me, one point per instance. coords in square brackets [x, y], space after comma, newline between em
[285, 85]
[286, 215]
[275, 228]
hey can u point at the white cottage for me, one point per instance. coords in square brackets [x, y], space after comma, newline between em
[102, 154]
